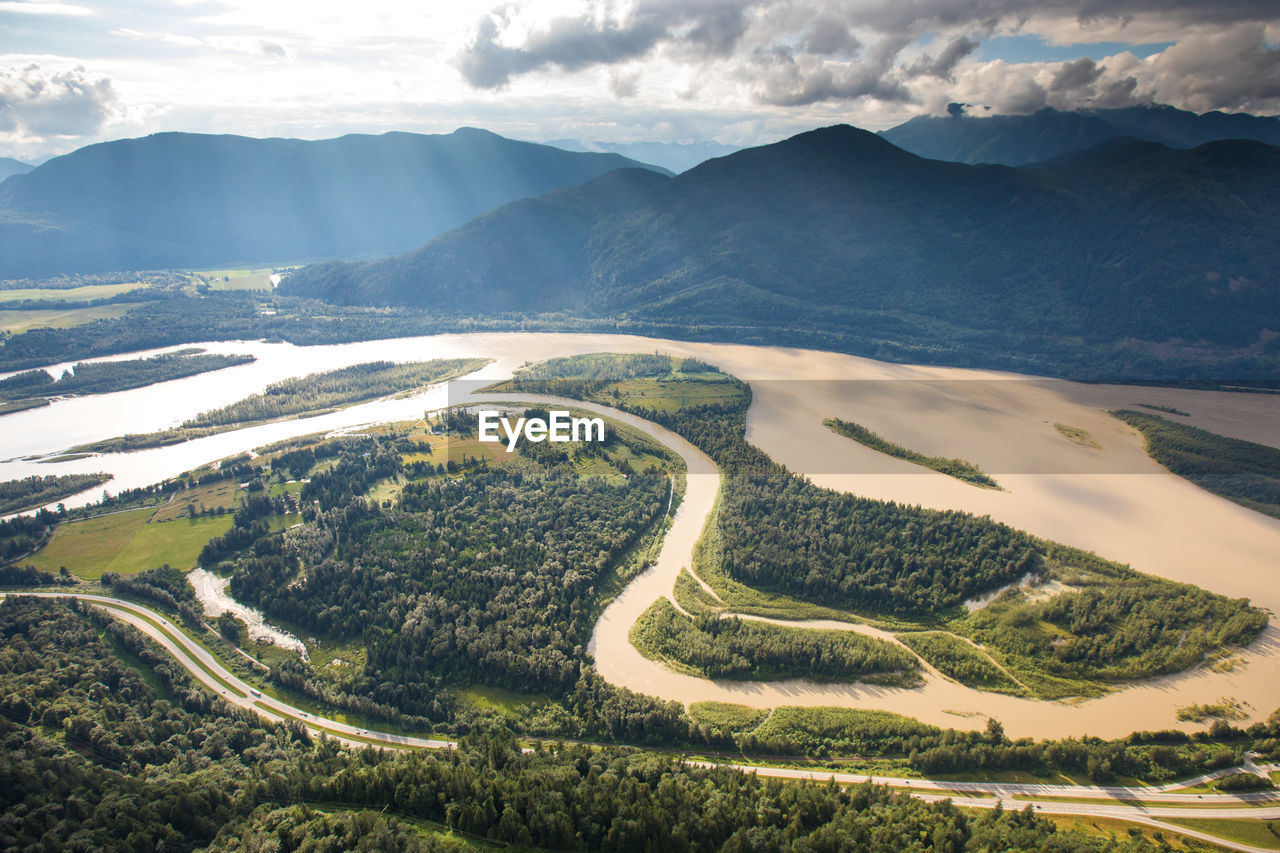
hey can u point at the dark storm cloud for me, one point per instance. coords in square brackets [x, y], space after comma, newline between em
[1076, 75]
[41, 103]
[942, 67]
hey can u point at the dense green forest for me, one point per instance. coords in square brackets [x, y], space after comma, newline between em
[757, 651]
[1238, 470]
[313, 394]
[958, 468]
[473, 573]
[106, 744]
[107, 376]
[780, 534]
[35, 491]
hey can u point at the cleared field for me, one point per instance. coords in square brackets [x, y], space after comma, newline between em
[502, 701]
[212, 496]
[127, 542]
[669, 395]
[73, 294]
[245, 279]
[55, 318]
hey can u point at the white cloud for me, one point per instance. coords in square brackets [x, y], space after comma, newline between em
[35, 102]
[54, 9]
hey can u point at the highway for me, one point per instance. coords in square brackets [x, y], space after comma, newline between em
[1139, 805]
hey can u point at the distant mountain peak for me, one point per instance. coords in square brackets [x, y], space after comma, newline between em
[1015, 140]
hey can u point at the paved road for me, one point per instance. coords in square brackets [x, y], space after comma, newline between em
[1139, 805]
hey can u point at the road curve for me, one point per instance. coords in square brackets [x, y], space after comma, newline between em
[1145, 805]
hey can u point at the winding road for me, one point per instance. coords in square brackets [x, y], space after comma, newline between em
[1138, 805]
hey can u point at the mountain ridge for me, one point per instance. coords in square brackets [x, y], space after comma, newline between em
[838, 230]
[178, 199]
[1017, 139]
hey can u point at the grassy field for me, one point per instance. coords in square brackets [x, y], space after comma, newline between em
[1259, 833]
[502, 701]
[74, 294]
[676, 392]
[1103, 827]
[957, 659]
[127, 542]
[58, 318]
[223, 494]
[727, 717]
[241, 279]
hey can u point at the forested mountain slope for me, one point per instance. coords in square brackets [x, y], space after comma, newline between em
[838, 232]
[182, 199]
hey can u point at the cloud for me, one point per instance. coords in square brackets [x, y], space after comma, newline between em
[53, 9]
[803, 52]
[944, 66]
[624, 85]
[598, 38]
[1076, 75]
[782, 78]
[1234, 69]
[35, 102]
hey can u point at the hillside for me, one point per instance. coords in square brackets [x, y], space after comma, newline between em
[840, 233]
[10, 166]
[175, 199]
[1015, 140]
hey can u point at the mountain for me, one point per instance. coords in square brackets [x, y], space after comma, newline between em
[9, 167]
[1184, 129]
[676, 156]
[1015, 140]
[177, 199]
[840, 233]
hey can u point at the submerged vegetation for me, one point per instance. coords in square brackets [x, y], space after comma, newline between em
[958, 468]
[1238, 470]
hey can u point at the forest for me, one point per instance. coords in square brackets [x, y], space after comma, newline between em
[958, 468]
[1238, 470]
[106, 744]
[177, 319]
[758, 651]
[474, 573]
[35, 491]
[107, 376]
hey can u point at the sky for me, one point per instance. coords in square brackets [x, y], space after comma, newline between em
[73, 72]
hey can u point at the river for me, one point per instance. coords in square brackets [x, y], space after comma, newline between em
[1110, 499]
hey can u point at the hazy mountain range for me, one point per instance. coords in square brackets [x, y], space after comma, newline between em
[10, 166]
[839, 229]
[675, 156]
[1016, 140]
[183, 200]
